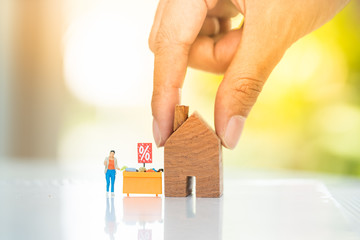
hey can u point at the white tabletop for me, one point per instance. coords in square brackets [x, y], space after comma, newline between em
[48, 202]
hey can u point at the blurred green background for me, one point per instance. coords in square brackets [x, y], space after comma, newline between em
[76, 81]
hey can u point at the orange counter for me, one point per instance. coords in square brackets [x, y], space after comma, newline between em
[142, 182]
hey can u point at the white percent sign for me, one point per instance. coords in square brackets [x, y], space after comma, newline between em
[144, 153]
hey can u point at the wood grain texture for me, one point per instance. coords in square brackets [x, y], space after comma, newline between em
[180, 116]
[193, 149]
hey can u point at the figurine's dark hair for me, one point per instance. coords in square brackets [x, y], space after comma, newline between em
[112, 151]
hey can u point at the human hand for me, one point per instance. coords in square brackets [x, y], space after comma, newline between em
[197, 33]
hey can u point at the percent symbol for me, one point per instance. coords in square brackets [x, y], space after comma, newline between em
[144, 152]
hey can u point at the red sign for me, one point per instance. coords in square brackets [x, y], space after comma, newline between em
[144, 152]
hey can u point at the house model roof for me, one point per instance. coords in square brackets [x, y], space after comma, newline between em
[194, 119]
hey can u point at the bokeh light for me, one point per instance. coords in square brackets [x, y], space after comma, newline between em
[106, 56]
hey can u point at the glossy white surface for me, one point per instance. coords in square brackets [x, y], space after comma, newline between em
[55, 205]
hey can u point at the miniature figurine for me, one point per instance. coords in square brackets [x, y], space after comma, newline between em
[110, 171]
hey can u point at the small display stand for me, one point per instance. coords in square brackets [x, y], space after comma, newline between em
[143, 182]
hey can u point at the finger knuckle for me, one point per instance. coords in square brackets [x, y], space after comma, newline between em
[166, 41]
[246, 90]
[162, 41]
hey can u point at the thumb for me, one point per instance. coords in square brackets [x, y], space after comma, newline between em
[234, 100]
[255, 58]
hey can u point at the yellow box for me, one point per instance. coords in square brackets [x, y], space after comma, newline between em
[142, 182]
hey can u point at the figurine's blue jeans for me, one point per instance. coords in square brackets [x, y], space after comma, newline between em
[110, 175]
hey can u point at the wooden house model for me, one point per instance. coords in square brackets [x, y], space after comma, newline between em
[193, 153]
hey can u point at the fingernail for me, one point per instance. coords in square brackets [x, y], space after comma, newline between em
[156, 133]
[233, 131]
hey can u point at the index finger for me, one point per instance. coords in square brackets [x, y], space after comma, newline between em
[179, 26]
